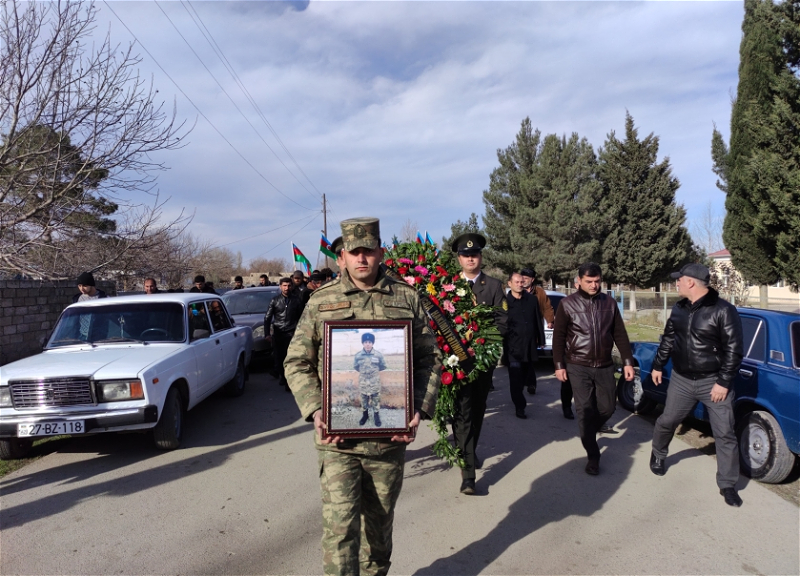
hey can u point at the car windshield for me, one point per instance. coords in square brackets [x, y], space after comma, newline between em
[554, 301]
[123, 322]
[248, 302]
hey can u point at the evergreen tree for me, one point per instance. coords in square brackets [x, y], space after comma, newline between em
[760, 172]
[647, 238]
[459, 228]
[510, 187]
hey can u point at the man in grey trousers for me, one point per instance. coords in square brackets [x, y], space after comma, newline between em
[703, 336]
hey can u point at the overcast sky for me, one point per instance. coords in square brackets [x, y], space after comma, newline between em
[397, 109]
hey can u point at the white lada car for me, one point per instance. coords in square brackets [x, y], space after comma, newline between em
[121, 364]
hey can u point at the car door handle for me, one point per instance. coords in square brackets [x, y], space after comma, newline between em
[745, 373]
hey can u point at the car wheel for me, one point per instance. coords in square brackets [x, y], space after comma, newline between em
[631, 394]
[236, 386]
[15, 448]
[763, 453]
[168, 431]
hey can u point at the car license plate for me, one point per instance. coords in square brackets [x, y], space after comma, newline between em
[548, 337]
[51, 428]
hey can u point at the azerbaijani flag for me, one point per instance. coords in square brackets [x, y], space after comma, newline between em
[420, 240]
[325, 247]
[299, 257]
[428, 239]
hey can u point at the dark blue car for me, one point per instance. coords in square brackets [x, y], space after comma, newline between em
[767, 388]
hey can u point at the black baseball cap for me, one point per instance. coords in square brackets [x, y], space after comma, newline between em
[696, 271]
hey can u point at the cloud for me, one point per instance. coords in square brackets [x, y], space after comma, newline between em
[397, 109]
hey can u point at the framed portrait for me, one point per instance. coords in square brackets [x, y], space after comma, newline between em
[367, 384]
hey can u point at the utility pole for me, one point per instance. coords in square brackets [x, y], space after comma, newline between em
[325, 225]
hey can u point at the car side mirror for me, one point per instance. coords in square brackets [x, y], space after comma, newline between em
[200, 333]
[43, 340]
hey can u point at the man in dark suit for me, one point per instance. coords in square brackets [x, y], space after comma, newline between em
[471, 398]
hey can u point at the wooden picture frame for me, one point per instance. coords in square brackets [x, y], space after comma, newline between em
[360, 381]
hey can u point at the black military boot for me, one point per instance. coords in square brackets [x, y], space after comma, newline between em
[364, 418]
[377, 419]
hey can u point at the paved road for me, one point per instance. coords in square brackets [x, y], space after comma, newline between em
[241, 497]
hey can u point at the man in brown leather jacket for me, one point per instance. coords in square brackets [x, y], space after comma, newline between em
[587, 325]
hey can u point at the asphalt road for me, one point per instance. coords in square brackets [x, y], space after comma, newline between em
[242, 497]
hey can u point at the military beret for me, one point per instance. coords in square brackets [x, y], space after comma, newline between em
[469, 244]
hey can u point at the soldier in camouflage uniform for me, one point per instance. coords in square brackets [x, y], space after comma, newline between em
[369, 363]
[360, 479]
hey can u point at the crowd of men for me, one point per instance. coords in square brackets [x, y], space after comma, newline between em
[361, 478]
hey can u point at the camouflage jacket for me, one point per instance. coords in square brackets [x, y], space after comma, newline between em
[387, 300]
[369, 365]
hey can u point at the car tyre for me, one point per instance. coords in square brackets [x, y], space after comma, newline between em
[15, 448]
[631, 394]
[763, 453]
[167, 433]
[235, 387]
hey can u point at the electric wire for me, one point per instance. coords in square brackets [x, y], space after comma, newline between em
[221, 87]
[200, 112]
[288, 238]
[221, 55]
[267, 232]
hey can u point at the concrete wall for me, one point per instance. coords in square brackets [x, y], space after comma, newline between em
[29, 310]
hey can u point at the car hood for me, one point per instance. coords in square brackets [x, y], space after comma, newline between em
[101, 362]
[248, 319]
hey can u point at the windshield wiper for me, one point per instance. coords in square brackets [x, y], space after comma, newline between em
[118, 339]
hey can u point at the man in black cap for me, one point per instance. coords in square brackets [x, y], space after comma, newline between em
[471, 398]
[545, 309]
[238, 283]
[200, 285]
[703, 337]
[87, 289]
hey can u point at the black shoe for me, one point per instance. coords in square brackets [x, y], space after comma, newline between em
[606, 430]
[364, 418]
[491, 387]
[568, 414]
[731, 497]
[593, 467]
[658, 466]
[468, 486]
[377, 419]
[521, 414]
[532, 389]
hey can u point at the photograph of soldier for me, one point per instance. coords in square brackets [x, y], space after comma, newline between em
[369, 362]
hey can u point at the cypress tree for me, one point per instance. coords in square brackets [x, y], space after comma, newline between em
[647, 238]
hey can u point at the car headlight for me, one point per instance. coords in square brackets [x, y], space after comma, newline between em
[5, 397]
[259, 332]
[116, 390]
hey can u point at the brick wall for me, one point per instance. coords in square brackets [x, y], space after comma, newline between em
[29, 310]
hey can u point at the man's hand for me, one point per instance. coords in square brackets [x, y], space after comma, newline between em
[321, 427]
[562, 374]
[628, 373]
[550, 325]
[656, 375]
[413, 425]
[718, 393]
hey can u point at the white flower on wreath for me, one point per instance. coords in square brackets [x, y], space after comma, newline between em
[452, 361]
[461, 292]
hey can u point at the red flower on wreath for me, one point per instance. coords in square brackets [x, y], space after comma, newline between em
[421, 258]
[403, 270]
[460, 375]
[480, 340]
[458, 320]
[390, 262]
[447, 378]
[446, 348]
[435, 300]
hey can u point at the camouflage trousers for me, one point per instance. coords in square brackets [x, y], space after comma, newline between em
[359, 492]
[371, 401]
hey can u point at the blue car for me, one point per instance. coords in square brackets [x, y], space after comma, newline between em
[767, 389]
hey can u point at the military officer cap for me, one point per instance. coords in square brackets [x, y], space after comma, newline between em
[361, 233]
[336, 246]
[469, 244]
[368, 337]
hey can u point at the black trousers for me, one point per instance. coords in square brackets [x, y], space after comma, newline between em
[280, 346]
[519, 377]
[566, 395]
[470, 406]
[595, 401]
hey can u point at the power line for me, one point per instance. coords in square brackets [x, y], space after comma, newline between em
[267, 232]
[221, 87]
[288, 238]
[201, 112]
[221, 55]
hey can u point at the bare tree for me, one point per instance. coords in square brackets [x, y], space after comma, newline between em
[706, 231]
[408, 232]
[78, 127]
[269, 266]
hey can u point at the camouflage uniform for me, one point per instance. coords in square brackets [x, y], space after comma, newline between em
[360, 479]
[369, 365]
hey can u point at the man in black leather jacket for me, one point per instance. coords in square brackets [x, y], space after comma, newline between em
[703, 336]
[283, 313]
[587, 326]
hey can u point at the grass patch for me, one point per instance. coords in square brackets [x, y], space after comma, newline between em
[41, 447]
[642, 333]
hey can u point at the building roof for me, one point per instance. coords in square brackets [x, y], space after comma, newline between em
[724, 253]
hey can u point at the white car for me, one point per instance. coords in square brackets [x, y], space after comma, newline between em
[121, 364]
[555, 298]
